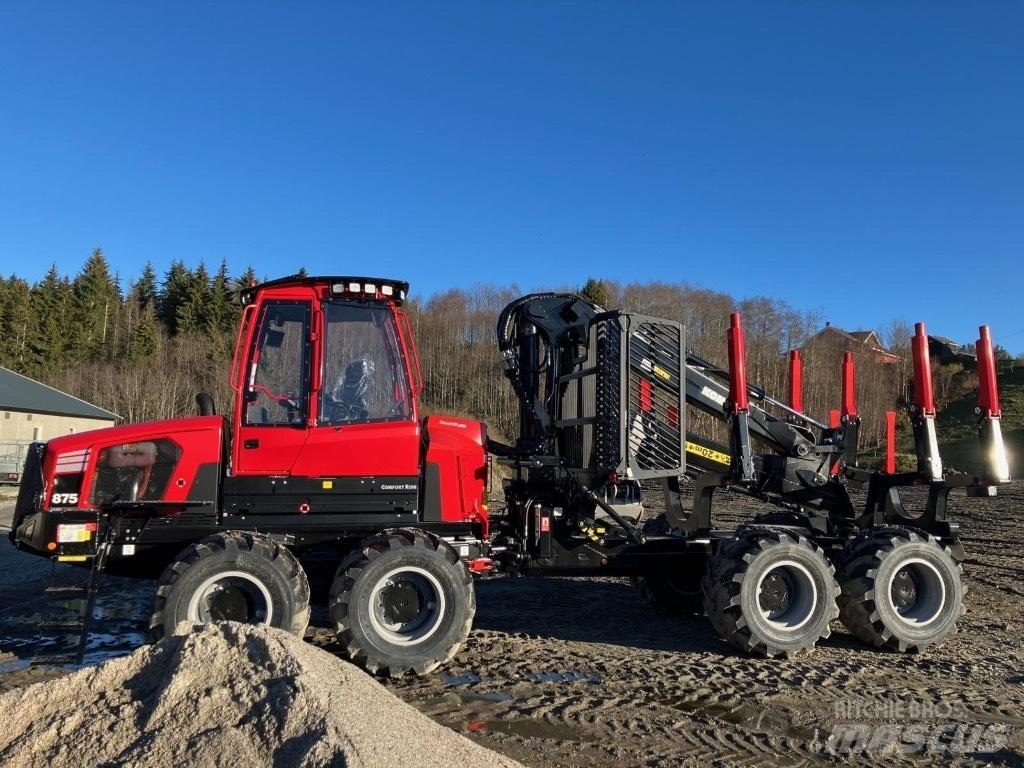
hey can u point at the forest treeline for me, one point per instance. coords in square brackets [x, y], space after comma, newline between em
[145, 350]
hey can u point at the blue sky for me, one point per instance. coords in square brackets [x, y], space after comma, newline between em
[864, 159]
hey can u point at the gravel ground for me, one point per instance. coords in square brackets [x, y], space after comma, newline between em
[574, 672]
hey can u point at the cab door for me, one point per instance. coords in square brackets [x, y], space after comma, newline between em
[272, 412]
[366, 422]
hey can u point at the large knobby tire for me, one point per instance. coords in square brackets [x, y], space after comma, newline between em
[232, 576]
[901, 588]
[402, 602]
[770, 592]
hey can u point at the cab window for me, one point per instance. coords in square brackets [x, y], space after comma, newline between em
[277, 386]
[364, 377]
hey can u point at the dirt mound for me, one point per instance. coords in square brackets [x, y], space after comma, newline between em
[225, 695]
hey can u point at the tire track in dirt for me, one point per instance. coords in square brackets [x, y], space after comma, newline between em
[576, 672]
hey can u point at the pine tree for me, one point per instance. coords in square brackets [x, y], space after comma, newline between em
[52, 303]
[175, 288]
[144, 341]
[219, 316]
[145, 290]
[248, 278]
[595, 291]
[96, 300]
[192, 307]
[17, 327]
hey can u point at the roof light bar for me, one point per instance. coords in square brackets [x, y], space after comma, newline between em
[351, 286]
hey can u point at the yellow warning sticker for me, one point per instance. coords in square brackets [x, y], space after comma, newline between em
[328, 485]
[659, 371]
[72, 558]
[708, 453]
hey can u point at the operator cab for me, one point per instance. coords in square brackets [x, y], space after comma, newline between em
[324, 383]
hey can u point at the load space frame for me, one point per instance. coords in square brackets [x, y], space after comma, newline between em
[602, 408]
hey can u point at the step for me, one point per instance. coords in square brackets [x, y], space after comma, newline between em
[76, 624]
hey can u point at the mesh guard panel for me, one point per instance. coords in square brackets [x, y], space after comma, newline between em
[655, 411]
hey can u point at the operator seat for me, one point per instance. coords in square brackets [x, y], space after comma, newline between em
[352, 391]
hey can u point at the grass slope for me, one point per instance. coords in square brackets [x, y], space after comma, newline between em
[958, 430]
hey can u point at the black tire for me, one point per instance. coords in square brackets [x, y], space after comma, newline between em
[901, 589]
[770, 592]
[402, 602]
[232, 576]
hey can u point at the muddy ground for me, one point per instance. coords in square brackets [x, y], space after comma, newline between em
[574, 672]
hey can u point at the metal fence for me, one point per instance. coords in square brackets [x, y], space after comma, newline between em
[12, 459]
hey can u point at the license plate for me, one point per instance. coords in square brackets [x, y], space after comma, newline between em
[70, 533]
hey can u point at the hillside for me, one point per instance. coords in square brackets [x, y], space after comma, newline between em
[958, 433]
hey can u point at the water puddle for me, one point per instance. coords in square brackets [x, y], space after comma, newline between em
[752, 718]
[14, 665]
[486, 698]
[467, 679]
[570, 676]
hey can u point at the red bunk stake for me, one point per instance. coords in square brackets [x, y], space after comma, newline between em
[849, 399]
[988, 388]
[929, 462]
[924, 395]
[796, 381]
[993, 449]
[890, 442]
[737, 365]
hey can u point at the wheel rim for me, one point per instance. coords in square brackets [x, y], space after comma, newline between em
[407, 605]
[232, 596]
[917, 593]
[787, 595]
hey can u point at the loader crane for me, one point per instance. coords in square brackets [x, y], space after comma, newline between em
[325, 449]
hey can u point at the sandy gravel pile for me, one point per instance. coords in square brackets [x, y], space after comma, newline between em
[225, 695]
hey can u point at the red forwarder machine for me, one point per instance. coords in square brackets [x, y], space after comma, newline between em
[325, 451]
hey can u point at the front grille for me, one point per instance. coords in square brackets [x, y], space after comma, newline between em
[31, 486]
